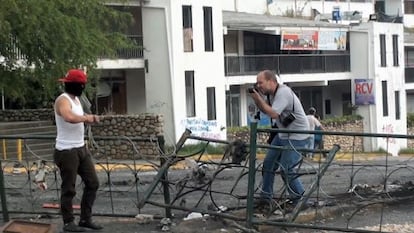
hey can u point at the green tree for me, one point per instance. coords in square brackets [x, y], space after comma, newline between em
[41, 39]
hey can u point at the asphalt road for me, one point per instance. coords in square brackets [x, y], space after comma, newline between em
[343, 188]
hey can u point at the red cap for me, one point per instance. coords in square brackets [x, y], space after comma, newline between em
[74, 76]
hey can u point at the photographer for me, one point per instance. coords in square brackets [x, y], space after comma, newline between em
[287, 112]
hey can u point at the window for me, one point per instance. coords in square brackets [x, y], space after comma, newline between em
[208, 29]
[395, 49]
[211, 103]
[409, 57]
[189, 93]
[187, 29]
[233, 106]
[397, 105]
[409, 7]
[379, 6]
[328, 107]
[383, 51]
[384, 99]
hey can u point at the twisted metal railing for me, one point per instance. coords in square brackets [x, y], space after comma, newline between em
[223, 185]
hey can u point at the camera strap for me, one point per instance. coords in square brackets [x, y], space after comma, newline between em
[272, 124]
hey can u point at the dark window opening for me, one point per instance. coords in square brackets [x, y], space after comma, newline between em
[384, 98]
[187, 29]
[211, 103]
[383, 51]
[189, 93]
[395, 49]
[208, 29]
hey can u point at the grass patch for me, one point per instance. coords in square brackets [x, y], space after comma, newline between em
[406, 151]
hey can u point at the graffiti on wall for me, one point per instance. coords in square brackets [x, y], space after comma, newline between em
[389, 129]
[202, 128]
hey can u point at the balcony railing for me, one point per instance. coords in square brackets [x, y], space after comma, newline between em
[287, 64]
[129, 53]
[121, 53]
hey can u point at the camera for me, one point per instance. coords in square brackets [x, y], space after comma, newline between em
[286, 118]
[251, 89]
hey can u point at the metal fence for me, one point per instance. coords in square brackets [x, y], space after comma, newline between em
[340, 192]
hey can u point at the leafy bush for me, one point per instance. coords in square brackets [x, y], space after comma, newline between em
[238, 129]
[341, 120]
[406, 151]
[410, 119]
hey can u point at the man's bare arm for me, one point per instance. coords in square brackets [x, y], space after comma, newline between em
[64, 109]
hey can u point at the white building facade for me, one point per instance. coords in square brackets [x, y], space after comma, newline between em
[180, 74]
[199, 58]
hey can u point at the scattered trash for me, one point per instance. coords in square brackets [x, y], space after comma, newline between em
[40, 175]
[165, 221]
[193, 215]
[237, 151]
[144, 218]
[166, 224]
[18, 168]
[222, 208]
[57, 206]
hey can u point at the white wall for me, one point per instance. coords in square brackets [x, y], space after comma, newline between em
[207, 66]
[361, 68]
[409, 20]
[159, 98]
[135, 88]
[163, 40]
[394, 75]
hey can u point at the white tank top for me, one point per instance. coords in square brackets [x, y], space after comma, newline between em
[70, 135]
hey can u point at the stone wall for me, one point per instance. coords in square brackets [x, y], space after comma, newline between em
[128, 129]
[125, 127]
[43, 114]
[410, 142]
[346, 142]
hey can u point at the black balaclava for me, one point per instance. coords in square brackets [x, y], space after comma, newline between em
[74, 88]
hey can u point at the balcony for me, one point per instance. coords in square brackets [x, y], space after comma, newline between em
[128, 53]
[287, 63]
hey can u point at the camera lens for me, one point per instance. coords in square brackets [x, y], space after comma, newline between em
[250, 90]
